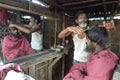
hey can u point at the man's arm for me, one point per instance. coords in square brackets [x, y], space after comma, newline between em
[64, 33]
[26, 25]
[77, 72]
[26, 30]
[71, 30]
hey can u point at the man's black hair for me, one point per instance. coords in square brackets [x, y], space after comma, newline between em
[98, 35]
[37, 17]
[80, 12]
[17, 34]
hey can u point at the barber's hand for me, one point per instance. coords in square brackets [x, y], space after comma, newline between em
[78, 31]
[110, 26]
[82, 34]
[12, 25]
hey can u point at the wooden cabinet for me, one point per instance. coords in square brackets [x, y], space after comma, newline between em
[46, 65]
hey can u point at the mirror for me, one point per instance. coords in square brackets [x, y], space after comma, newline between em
[52, 20]
[19, 17]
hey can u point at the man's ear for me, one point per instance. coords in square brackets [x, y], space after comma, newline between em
[15, 31]
[76, 21]
[35, 21]
[95, 44]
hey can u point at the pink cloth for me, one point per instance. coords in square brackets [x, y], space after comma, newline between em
[3, 16]
[15, 47]
[4, 69]
[99, 67]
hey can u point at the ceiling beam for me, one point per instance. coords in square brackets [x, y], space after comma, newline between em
[105, 9]
[97, 15]
[75, 3]
[51, 2]
[116, 9]
[14, 3]
[92, 5]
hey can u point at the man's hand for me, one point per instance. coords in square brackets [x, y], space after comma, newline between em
[78, 31]
[110, 26]
[12, 25]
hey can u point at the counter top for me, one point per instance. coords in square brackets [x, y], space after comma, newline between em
[36, 58]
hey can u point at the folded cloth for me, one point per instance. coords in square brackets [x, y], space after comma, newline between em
[4, 69]
[3, 16]
[13, 75]
[11, 65]
[13, 47]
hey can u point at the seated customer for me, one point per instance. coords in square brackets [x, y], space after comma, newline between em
[15, 45]
[102, 61]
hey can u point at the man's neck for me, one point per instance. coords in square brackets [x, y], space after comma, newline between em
[84, 28]
[98, 49]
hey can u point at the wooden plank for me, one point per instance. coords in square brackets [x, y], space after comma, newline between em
[92, 5]
[32, 71]
[42, 71]
[50, 74]
[53, 63]
[41, 67]
[14, 3]
[20, 59]
[30, 4]
[51, 67]
[34, 59]
[76, 3]
[63, 66]
[24, 10]
[57, 6]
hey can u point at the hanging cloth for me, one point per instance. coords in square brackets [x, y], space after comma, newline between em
[3, 16]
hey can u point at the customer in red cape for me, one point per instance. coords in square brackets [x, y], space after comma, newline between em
[15, 45]
[102, 61]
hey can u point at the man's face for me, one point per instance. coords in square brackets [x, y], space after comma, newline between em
[32, 21]
[14, 32]
[90, 46]
[82, 20]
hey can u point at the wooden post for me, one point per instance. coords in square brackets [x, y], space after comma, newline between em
[63, 26]
[63, 66]
[32, 71]
[30, 5]
[51, 66]
[55, 28]
[49, 21]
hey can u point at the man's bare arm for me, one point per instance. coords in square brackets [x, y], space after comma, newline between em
[71, 30]
[64, 33]
[26, 25]
[25, 30]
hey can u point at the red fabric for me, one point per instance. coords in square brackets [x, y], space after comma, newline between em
[3, 16]
[3, 73]
[13, 47]
[4, 69]
[99, 67]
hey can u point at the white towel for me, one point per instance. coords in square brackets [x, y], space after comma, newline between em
[13, 75]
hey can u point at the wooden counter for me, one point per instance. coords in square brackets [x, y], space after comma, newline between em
[43, 65]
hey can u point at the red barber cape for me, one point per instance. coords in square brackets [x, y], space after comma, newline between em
[15, 47]
[99, 67]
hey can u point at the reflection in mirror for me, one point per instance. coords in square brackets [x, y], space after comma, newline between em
[21, 34]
